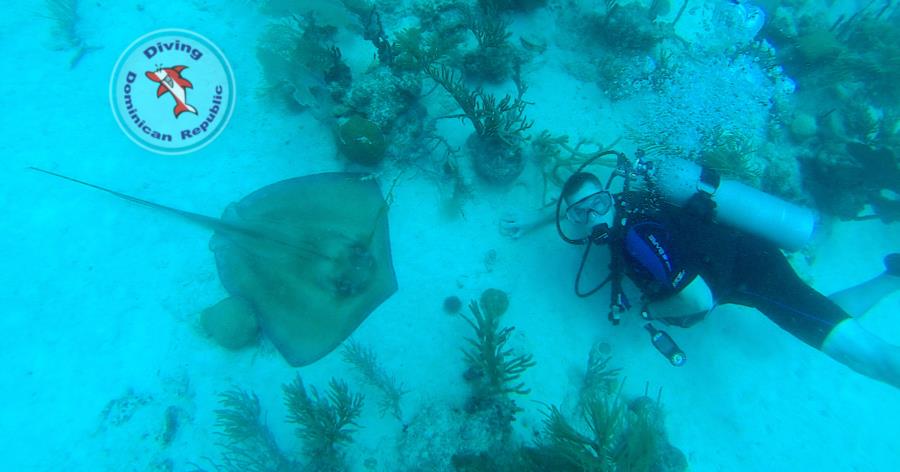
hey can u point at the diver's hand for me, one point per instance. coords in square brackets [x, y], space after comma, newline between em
[511, 226]
[514, 226]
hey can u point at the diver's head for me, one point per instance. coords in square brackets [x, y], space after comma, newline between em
[587, 202]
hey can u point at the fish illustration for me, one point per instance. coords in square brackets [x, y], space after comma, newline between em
[170, 80]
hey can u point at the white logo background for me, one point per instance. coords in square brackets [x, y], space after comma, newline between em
[149, 120]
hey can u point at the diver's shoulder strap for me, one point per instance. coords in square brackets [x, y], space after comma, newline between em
[618, 302]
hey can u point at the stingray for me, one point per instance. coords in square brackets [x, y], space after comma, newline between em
[310, 255]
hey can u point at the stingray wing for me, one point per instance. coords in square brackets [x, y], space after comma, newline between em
[322, 264]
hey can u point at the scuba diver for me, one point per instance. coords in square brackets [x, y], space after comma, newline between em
[691, 240]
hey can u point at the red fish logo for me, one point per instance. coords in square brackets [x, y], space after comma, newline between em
[171, 81]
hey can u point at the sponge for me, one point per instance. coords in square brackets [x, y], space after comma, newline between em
[231, 323]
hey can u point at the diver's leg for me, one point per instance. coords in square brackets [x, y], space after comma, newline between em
[768, 282]
[857, 300]
[858, 348]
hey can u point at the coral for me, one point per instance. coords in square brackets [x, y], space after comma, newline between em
[504, 119]
[440, 35]
[599, 378]
[171, 424]
[625, 29]
[621, 76]
[324, 422]
[861, 120]
[616, 435]
[64, 15]
[366, 363]
[495, 160]
[880, 164]
[594, 451]
[856, 52]
[816, 48]
[120, 410]
[411, 52]
[442, 16]
[782, 177]
[248, 443]
[495, 6]
[844, 177]
[619, 60]
[388, 99]
[499, 125]
[452, 304]
[494, 58]
[491, 364]
[328, 12]
[875, 59]
[231, 323]
[555, 168]
[361, 141]
[373, 31]
[454, 188]
[838, 184]
[846, 71]
[493, 374]
[489, 64]
[494, 302]
[438, 438]
[300, 63]
[731, 155]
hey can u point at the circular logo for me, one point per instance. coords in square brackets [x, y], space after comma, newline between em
[172, 91]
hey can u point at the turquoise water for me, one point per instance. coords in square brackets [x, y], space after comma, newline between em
[108, 366]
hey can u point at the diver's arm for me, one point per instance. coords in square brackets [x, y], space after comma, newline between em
[516, 226]
[693, 299]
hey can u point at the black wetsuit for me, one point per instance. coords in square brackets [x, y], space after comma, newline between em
[667, 248]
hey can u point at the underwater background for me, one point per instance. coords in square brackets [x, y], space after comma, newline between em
[110, 362]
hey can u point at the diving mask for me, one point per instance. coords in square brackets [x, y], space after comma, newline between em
[586, 210]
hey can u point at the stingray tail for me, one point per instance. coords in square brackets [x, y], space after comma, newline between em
[195, 217]
[214, 224]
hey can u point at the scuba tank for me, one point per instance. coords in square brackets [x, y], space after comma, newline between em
[734, 204]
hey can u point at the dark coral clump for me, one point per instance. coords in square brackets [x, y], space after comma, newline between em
[362, 141]
[494, 302]
[626, 28]
[511, 5]
[452, 304]
[842, 180]
[494, 159]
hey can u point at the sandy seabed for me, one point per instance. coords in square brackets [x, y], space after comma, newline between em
[101, 297]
